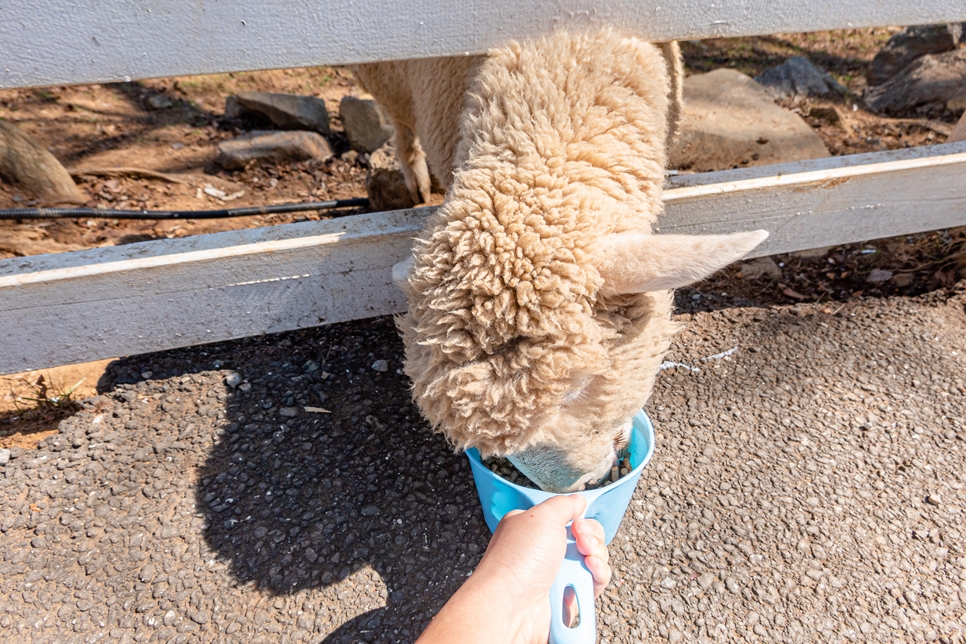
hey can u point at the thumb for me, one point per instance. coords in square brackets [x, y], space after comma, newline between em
[561, 509]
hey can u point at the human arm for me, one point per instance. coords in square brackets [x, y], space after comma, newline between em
[507, 598]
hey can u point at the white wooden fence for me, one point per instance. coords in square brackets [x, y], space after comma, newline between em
[87, 305]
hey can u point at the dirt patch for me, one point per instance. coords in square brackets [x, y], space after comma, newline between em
[32, 405]
[909, 265]
[114, 125]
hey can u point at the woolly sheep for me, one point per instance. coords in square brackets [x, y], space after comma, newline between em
[539, 300]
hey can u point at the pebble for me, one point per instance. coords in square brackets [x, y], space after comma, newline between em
[878, 276]
[380, 365]
[4, 456]
[288, 412]
[934, 499]
[706, 580]
[233, 379]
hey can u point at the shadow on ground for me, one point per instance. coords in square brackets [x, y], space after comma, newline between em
[298, 499]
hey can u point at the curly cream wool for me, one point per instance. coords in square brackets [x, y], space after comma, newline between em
[539, 300]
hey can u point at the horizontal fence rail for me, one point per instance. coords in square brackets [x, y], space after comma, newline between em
[52, 42]
[151, 296]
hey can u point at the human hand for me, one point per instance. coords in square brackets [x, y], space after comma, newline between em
[507, 598]
[525, 554]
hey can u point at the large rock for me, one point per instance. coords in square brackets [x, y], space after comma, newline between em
[272, 146]
[934, 79]
[385, 183]
[731, 121]
[25, 162]
[365, 124]
[908, 45]
[285, 111]
[798, 77]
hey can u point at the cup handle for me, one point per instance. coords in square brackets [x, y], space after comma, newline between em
[573, 573]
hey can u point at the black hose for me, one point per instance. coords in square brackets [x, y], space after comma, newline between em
[96, 213]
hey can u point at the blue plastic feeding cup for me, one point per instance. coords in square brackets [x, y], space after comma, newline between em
[607, 505]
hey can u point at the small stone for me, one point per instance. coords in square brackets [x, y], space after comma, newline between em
[878, 276]
[288, 412]
[160, 102]
[903, 280]
[201, 617]
[272, 146]
[829, 114]
[675, 636]
[365, 124]
[350, 157]
[147, 374]
[380, 365]
[798, 77]
[761, 268]
[706, 580]
[4, 456]
[668, 584]
[246, 387]
[385, 183]
[370, 511]
[233, 379]
[732, 585]
[285, 111]
[934, 499]
[956, 104]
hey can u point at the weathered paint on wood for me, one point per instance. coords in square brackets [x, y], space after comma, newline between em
[837, 200]
[51, 42]
[86, 305]
[92, 304]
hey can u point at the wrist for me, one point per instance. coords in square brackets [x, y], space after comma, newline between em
[481, 611]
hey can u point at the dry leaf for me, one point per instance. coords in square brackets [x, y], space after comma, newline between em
[790, 293]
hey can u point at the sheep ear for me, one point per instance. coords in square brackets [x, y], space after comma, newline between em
[400, 271]
[639, 262]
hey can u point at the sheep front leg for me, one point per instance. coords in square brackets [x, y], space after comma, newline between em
[675, 68]
[412, 159]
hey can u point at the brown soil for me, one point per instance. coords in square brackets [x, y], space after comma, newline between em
[109, 126]
[30, 412]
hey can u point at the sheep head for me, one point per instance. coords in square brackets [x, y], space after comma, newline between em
[543, 351]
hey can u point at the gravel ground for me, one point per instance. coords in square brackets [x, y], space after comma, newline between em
[807, 487]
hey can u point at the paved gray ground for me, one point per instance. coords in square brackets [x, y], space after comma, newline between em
[808, 488]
